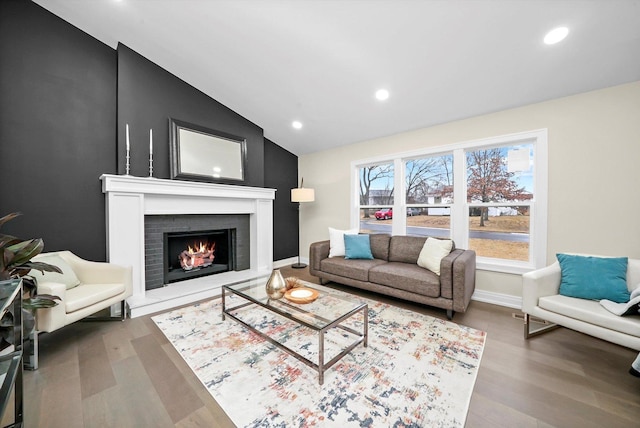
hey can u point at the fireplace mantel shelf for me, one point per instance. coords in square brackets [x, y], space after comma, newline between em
[129, 199]
[159, 186]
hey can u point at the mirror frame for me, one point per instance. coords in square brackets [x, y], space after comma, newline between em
[213, 136]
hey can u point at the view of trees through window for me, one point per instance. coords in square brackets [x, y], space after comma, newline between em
[376, 189]
[499, 181]
[429, 195]
[499, 195]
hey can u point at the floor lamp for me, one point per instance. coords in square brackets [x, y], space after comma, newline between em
[301, 194]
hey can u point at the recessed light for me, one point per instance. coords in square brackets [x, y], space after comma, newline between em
[382, 94]
[296, 124]
[556, 35]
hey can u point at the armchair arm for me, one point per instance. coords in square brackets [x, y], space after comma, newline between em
[539, 283]
[318, 251]
[50, 319]
[89, 272]
[464, 279]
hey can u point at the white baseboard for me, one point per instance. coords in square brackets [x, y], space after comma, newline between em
[497, 299]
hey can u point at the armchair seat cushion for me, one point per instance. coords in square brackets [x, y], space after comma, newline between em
[90, 294]
[589, 311]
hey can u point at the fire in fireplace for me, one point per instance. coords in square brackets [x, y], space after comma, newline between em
[193, 254]
[201, 255]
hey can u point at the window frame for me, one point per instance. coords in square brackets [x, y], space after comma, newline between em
[459, 221]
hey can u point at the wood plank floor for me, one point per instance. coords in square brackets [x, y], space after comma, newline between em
[126, 374]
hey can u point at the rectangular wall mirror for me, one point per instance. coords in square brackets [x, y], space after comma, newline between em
[199, 153]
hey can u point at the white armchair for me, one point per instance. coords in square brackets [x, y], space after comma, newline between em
[84, 288]
[541, 299]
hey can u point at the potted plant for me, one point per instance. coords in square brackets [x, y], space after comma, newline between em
[15, 262]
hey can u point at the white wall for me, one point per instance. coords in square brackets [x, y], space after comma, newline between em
[594, 173]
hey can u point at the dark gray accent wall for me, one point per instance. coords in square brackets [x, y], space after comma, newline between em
[65, 98]
[57, 129]
[281, 173]
[148, 96]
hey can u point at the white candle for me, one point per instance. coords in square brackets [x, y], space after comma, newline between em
[127, 137]
[151, 144]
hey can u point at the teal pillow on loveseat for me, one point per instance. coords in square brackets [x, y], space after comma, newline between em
[594, 278]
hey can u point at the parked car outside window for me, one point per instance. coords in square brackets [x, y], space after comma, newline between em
[413, 211]
[384, 214]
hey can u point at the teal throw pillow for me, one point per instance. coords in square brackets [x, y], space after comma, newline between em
[594, 278]
[357, 247]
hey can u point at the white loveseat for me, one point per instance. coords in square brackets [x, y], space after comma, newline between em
[540, 299]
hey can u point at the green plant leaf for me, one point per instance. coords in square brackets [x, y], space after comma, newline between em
[41, 266]
[8, 217]
[40, 302]
[16, 255]
[26, 250]
[6, 240]
[49, 296]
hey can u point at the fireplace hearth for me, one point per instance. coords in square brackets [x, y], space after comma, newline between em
[198, 253]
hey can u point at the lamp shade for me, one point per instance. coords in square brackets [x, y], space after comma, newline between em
[302, 194]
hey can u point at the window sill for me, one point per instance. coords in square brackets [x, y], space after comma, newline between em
[503, 267]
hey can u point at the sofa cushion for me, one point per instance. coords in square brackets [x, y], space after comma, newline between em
[67, 277]
[432, 253]
[336, 241]
[90, 294]
[354, 269]
[380, 245]
[407, 277]
[590, 311]
[405, 249]
[596, 278]
[357, 247]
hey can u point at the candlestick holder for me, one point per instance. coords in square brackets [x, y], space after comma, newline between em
[127, 169]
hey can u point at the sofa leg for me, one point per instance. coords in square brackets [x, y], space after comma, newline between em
[527, 327]
[450, 314]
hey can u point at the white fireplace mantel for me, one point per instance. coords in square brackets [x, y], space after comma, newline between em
[129, 199]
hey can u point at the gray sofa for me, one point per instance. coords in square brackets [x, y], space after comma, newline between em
[394, 272]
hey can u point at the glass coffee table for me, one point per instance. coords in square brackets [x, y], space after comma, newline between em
[329, 314]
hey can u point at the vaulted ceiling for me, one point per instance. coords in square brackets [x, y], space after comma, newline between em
[320, 62]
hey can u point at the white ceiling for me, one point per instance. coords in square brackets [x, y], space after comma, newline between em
[320, 62]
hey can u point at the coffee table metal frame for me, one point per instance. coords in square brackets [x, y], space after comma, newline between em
[321, 366]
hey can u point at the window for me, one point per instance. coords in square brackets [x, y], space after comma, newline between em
[376, 197]
[487, 195]
[499, 190]
[429, 195]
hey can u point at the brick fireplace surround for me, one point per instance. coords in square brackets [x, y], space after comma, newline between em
[129, 199]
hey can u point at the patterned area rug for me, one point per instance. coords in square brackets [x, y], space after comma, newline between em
[418, 371]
